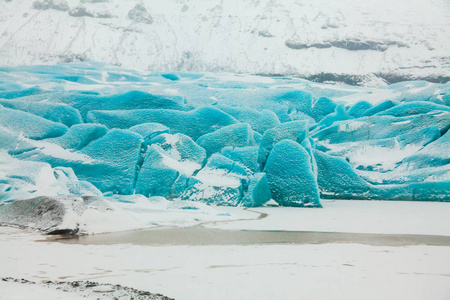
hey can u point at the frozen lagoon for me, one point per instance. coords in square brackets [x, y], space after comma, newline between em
[384, 255]
[341, 221]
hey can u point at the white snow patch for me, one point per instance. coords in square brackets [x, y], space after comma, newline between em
[402, 122]
[186, 167]
[18, 291]
[388, 217]
[383, 157]
[218, 177]
[352, 126]
[172, 91]
[205, 272]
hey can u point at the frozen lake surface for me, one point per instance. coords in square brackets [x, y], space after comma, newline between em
[254, 264]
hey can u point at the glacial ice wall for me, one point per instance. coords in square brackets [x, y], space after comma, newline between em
[88, 129]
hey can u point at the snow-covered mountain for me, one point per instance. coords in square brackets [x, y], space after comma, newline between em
[345, 40]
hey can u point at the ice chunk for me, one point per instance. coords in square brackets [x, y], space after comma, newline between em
[283, 112]
[337, 179]
[396, 151]
[125, 101]
[301, 101]
[295, 130]
[258, 191]
[384, 154]
[268, 119]
[171, 76]
[181, 147]
[115, 156]
[290, 174]
[179, 186]
[434, 154]
[13, 94]
[26, 179]
[380, 127]
[324, 106]
[236, 135]
[247, 156]
[400, 175]
[150, 130]
[431, 191]
[359, 108]
[417, 91]
[299, 116]
[413, 108]
[308, 145]
[339, 114]
[158, 173]
[379, 108]
[446, 99]
[51, 111]
[420, 137]
[29, 125]
[260, 121]
[14, 143]
[168, 163]
[220, 182]
[193, 123]
[74, 186]
[78, 136]
[219, 162]
[423, 191]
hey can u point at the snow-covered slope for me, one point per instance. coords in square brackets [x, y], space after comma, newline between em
[347, 40]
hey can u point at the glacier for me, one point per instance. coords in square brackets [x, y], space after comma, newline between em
[95, 131]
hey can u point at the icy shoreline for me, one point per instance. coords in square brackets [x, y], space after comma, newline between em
[395, 268]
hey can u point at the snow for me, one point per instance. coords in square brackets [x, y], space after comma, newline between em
[388, 217]
[218, 177]
[17, 291]
[138, 212]
[352, 270]
[384, 158]
[57, 151]
[184, 167]
[351, 126]
[396, 38]
[146, 198]
[331, 271]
